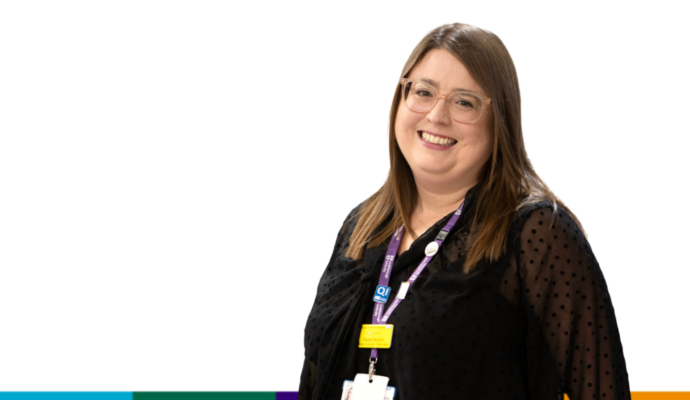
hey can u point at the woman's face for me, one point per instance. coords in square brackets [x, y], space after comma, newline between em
[460, 162]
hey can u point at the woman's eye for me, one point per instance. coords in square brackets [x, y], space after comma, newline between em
[465, 103]
[423, 93]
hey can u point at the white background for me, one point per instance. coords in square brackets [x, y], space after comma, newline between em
[173, 174]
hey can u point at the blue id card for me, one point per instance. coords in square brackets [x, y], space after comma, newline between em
[382, 293]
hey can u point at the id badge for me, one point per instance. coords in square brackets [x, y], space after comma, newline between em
[377, 336]
[361, 389]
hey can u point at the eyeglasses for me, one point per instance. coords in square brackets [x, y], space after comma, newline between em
[464, 107]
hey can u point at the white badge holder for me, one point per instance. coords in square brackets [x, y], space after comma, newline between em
[363, 389]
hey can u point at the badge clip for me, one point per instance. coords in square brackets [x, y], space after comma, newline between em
[372, 370]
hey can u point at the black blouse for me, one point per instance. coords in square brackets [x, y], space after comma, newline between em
[534, 324]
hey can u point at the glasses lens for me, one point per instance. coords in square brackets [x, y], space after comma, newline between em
[465, 107]
[419, 96]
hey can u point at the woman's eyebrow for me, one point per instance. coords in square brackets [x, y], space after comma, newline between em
[435, 84]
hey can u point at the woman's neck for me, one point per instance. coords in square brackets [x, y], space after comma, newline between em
[434, 203]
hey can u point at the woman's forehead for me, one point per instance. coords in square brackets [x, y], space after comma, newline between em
[444, 71]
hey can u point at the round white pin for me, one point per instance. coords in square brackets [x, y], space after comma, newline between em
[431, 249]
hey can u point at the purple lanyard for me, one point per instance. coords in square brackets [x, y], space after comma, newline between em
[388, 266]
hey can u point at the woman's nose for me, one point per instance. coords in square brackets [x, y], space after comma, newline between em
[439, 113]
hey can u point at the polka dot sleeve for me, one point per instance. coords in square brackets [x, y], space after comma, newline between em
[571, 322]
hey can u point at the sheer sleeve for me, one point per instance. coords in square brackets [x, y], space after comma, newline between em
[569, 311]
[324, 305]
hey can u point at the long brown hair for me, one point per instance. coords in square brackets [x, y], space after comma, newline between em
[506, 182]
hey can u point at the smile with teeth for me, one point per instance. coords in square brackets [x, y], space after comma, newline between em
[429, 138]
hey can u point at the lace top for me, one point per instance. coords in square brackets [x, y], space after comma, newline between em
[534, 324]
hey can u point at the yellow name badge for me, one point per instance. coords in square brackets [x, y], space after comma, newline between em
[376, 336]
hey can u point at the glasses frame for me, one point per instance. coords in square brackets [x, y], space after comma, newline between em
[486, 100]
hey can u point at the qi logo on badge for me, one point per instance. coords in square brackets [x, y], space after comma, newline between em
[431, 249]
[382, 293]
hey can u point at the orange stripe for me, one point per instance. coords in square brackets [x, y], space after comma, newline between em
[655, 396]
[660, 395]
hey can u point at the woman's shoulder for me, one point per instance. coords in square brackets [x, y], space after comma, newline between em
[350, 222]
[528, 206]
[354, 213]
[549, 225]
[541, 215]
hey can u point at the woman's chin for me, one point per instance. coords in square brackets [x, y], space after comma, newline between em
[433, 171]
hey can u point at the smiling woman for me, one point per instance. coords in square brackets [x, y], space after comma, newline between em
[446, 140]
[463, 276]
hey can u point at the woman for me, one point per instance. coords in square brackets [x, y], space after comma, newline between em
[512, 303]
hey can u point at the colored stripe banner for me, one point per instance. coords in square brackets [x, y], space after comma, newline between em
[233, 396]
[148, 395]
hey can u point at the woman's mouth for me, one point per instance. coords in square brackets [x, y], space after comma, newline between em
[433, 139]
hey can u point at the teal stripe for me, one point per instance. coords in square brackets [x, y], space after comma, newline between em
[66, 395]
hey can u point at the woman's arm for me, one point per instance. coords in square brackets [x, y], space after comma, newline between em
[565, 296]
[330, 274]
